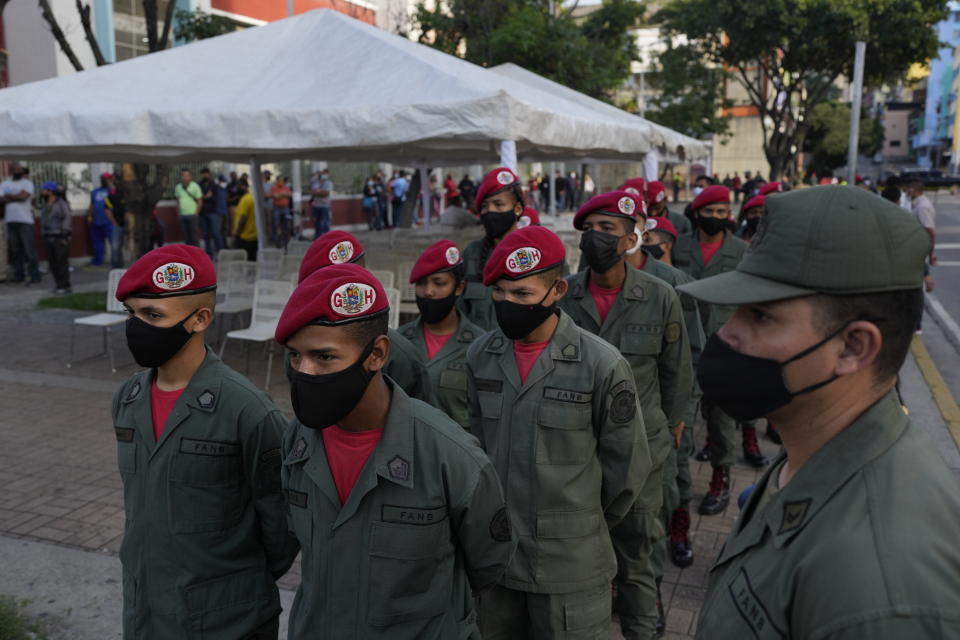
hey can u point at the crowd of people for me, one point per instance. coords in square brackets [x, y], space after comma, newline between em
[514, 462]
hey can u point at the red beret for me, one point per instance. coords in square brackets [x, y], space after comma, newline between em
[755, 201]
[713, 193]
[440, 256]
[656, 192]
[494, 182]
[661, 223]
[333, 296]
[523, 253]
[613, 203]
[333, 247]
[530, 216]
[770, 187]
[173, 270]
[636, 186]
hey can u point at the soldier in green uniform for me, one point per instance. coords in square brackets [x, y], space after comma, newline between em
[852, 531]
[556, 409]
[442, 334]
[710, 250]
[499, 202]
[400, 514]
[641, 315]
[659, 236]
[657, 207]
[198, 448]
[405, 366]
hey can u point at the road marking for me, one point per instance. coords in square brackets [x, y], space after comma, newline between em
[938, 388]
[947, 263]
[944, 319]
[948, 245]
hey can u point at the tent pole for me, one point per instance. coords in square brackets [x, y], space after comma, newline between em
[257, 187]
[508, 154]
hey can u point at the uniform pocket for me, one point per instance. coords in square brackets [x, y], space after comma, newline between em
[592, 612]
[411, 572]
[564, 435]
[641, 344]
[454, 379]
[231, 606]
[205, 493]
[572, 545]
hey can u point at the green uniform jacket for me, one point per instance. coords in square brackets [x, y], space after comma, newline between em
[570, 448]
[407, 369]
[447, 369]
[646, 324]
[206, 532]
[680, 222]
[688, 258]
[691, 308]
[476, 302]
[862, 543]
[424, 529]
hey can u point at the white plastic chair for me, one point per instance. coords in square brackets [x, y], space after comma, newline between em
[393, 299]
[385, 276]
[269, 298]
[237, 284]
[408, 294]
[270, 262]
[290, 265]
[114, 315]
[226, 257]
[297, 247]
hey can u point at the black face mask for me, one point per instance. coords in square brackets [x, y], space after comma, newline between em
[752, 224]
[152, 346]
[433, 310]
[519, 320]
[655, 251]
[322, 401]
[600, 250]
[749, 387]
[711, 226]
[498, 223]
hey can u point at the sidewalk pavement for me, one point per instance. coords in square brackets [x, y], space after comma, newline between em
[61, 515]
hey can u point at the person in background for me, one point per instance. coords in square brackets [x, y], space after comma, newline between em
[100, 217]
[267, 195]
[223, 210]
[370, 205]
[381, 188]
[56, 226]
[210, 218]
[400, 187]
[189, 198]
[467, 189]
[118, 198]
[656, 200]
[321, 189]
[450, 190]
[281, 196]
[16, 194]
[233, 199]
[245, 223]
[926, 214]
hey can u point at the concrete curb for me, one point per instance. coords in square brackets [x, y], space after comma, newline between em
[938, 388]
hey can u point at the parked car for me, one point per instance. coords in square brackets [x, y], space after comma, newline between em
[932, 178]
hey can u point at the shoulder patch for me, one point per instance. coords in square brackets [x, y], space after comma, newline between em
[672, 332]
[570, 351]
[399, 469]
[500, 529]
[299, 448]
[623, 405]
[134, 392]
[496, 344]
[793, 515]
[206, 400]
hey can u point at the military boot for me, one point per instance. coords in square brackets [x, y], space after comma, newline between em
[718, 496]
[681, 551]
[704, 454]
[751, 448]
[773, 434]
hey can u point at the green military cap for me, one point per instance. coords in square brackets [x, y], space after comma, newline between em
[833, 239]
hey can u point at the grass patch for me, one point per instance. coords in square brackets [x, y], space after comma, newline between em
[91, 301]
[14, 625]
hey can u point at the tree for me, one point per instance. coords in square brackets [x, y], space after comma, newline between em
[592, 55]
[787, 54]
[690, 95]
[199, 25]
[829, 133]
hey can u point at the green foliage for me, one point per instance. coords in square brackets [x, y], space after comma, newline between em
[14, 625]
[787, 54]
[690, 94]
[199, 25]
[90, 301]
[829, 136]
[592, 55]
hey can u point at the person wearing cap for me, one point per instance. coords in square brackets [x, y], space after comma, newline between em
[658, 237]
[770, 187]
[198, 448]
[556, 409]
[499, 201]
[100, 218]
[710, 250]
[442, 334]
[656, 201]
[405, 366]
[641, 315]
[56, 227]
[400, 514]
[750, 217]
[530, 217]
[851, 532]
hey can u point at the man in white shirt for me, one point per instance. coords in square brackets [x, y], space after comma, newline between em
[16, 194]
[923, 209]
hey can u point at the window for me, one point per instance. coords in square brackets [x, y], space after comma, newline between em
[130, 27]
[894, 143]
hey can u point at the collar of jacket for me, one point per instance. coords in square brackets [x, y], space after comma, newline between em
[201, 393]
[467, 332]
[633, 289]
[564, 345]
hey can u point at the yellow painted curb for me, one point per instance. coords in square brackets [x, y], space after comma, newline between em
[941, 393]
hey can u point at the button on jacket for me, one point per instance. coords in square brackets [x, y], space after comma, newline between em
[447, 369]
[688, 258]
[206, 532]
[861, 543]
[570, 448]
[423, 530]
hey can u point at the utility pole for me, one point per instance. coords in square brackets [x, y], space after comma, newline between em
[853, 145]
